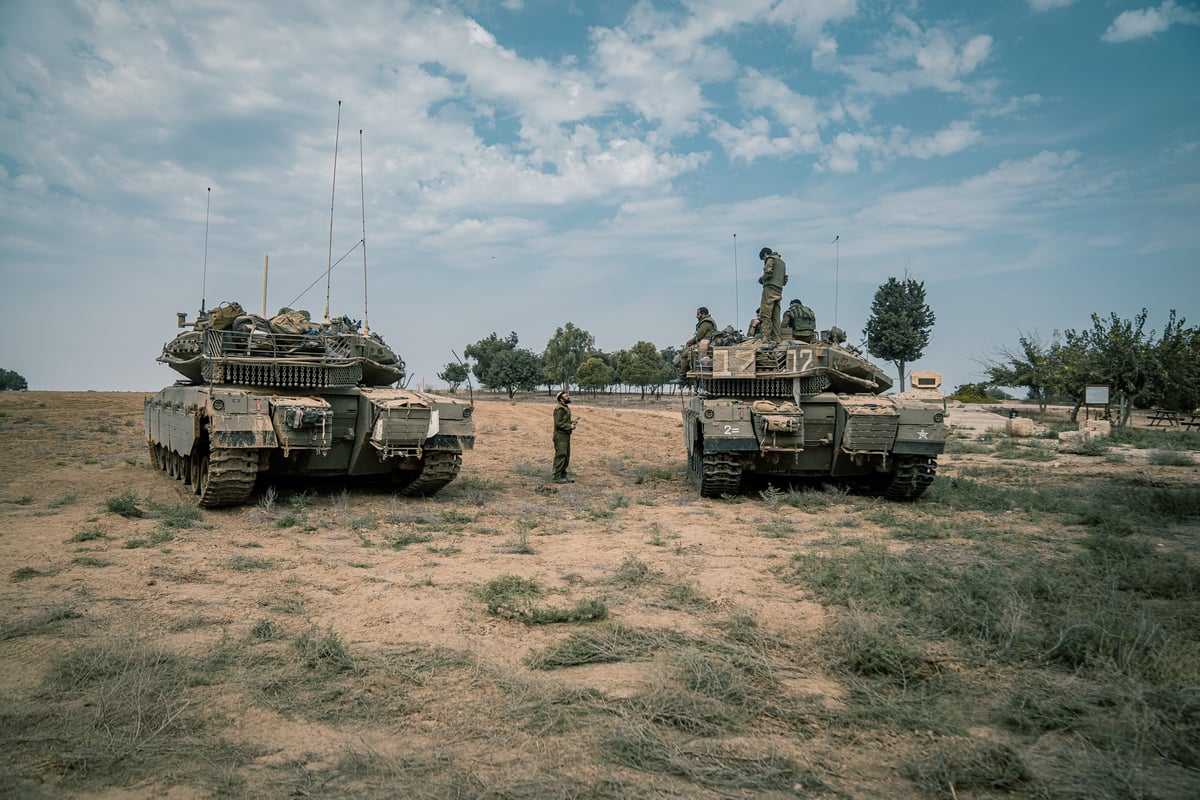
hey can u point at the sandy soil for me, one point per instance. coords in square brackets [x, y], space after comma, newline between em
[62, 455]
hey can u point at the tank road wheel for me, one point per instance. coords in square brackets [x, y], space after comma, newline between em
[438, 468]
[715, 474]
[227, 477]
[197, 460]
[912, 477]
[186, 466]
[200, 474]
[154, 455]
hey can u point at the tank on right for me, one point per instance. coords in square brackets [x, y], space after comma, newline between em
[814, 411]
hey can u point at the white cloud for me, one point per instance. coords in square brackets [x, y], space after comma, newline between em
[1039, 6]
[1014, 190]
[912, 58]
[1141, 23]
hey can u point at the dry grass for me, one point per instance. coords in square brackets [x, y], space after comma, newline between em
[1023, 631]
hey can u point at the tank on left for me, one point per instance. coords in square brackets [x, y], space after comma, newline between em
[289, 396]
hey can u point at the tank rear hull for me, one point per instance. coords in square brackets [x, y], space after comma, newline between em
[220, 439]
[886, 444]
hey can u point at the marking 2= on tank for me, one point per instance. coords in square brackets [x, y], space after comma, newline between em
[288, 397]
[805, 410]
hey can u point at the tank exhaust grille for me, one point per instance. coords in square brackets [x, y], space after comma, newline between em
[764, 387]
[282, 374]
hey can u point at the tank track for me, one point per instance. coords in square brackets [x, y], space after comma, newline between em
[716, 474]
[227, 477]
[440, 468]
[224, 477]
[912, 477]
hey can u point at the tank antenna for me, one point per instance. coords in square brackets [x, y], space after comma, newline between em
[204, 280]
[837, 265]
[737, 303]
[363, 202]
[332, 194]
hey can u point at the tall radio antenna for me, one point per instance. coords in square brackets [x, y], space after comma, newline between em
[204, 280]
[737, 323]
[837, 266]
[332, 194]
[362, 191]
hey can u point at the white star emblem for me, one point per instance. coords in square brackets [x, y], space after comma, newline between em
[923, 434]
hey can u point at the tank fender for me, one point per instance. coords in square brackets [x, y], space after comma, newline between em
[922, 430]
[455, 420]
[174, 425]
[240, 420]
[728, 426]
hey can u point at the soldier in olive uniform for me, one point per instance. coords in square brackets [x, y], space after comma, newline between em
[563, 425]
[773, 279]
[705, 328]
[802, 321]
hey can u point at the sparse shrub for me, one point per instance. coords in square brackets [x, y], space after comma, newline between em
[178, 515]
[964, 765]
[1171, 458]
[324, 651]
[772, 496]
[266, 501]
[244, 563]
[88, 534]
[401, 540]
[267, 630]
[125, 504]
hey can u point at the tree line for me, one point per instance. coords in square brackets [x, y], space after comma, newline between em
[1143, 369]
[898, 330]
[12, 381]
[570, 358]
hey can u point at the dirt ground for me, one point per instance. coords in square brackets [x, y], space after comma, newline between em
[334, 564]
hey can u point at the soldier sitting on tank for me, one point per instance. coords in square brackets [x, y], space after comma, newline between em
[705, 328]
[801, 321]
[752, 332]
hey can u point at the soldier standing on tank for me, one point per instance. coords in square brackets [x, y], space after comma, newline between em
[706, 326]
[773, 279]
[563, 425]
[802, 320]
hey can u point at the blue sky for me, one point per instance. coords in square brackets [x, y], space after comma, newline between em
[529, 163]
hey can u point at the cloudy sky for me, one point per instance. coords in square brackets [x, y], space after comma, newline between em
[529, 163]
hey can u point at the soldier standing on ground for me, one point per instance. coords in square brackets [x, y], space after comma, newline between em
[802, 320]
[563, 425]
[773, 278]
[705, 328]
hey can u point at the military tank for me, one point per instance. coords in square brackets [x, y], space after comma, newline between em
[290, 397]
[805, 410]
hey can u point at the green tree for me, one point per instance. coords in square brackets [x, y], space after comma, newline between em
[11, 381]
[1120, 355]
[1034, 368]
[454, 374]
[512, 370]
[899, 325]
[642, 366]
[1174, 380]
[594, 374]
[669, 354]
[566, 350]
[483, 351]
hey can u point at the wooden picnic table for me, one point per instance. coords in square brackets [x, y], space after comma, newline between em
[1192, 421]
[1164, 418]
